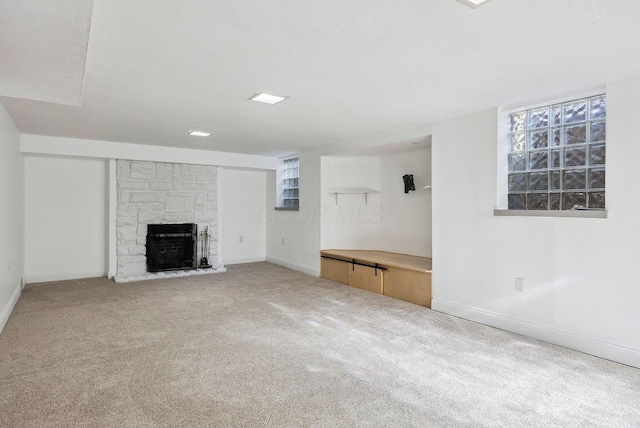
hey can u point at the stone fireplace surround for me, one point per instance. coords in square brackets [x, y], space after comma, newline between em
[159, 193]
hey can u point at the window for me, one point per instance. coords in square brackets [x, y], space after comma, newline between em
[290, 176]
[556, 157]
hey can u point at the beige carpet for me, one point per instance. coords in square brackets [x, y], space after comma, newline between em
[263, 346]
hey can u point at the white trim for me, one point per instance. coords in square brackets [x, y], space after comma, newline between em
[8, 308]
[588, 345]
[112, 247]
[62, 276]
[551, 213]
[220, 222]
[246, 259]
[309, 270]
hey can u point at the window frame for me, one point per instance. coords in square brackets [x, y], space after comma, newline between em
[284, 184]
[503, 151]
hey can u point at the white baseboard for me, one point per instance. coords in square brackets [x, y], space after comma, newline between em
[588, 345]
[8, 308]
[62, 276]
[249, 259]
[309, 270]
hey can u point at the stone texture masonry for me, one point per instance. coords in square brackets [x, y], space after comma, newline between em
[157, 193]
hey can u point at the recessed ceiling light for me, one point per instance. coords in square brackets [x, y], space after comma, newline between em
[264, 97]
[198, 133]
[473, 3]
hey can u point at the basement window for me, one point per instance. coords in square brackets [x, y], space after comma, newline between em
[556, 156]
[289, 194]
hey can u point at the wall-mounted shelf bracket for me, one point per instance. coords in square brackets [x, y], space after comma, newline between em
[352, 190]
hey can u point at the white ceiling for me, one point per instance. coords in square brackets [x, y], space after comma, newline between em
[43, 49]
[376, 71]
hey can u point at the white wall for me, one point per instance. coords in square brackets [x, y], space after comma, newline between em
[391, 220]
[300, 230]
[406, 221]
[581, 277]
[66, 218]
[242, 205]
[350, 223]
[12, 210]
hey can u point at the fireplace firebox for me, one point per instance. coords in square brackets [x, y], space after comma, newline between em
[171, 247]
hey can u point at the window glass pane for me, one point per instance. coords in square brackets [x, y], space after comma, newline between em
[575, 157]
[598, 107]
[596, 200]
[574, 179]
[555, 159]
[575, 111]
[598, 132]
[556, 115]
[516, 142]
[539, 181]
[517, 121]
[575, 134]
[556, 138]
[517, 182]
[538, 139]
[517, 162]
[539, 160]
[569, 200]
[517, 202]
[539, 118]
[596, 178]
[554, 182]
[551, 148]
[537, 201]
[290, 173]
[597, 154]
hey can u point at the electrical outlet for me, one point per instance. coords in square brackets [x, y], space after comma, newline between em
[241, 240]
[520, 284]
[282, 241]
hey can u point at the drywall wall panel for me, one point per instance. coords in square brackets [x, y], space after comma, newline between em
[12, 211]
[351, 220]
[406, 217]
[243, 208]
[293, 237]
[66, 218]
[580, 275]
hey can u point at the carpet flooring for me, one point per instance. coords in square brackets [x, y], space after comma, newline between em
[264, 346]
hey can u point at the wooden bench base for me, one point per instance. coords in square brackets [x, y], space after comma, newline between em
[395, 275]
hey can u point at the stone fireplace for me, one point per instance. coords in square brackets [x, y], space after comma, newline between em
[162, 193]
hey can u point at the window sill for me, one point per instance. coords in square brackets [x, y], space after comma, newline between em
[287, 208]
[549, 213]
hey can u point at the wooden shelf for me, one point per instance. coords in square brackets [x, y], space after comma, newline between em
[351, 191]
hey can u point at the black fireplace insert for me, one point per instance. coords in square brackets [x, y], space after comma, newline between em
[171, 247]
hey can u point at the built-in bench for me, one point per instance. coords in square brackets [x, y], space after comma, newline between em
[396, 275]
